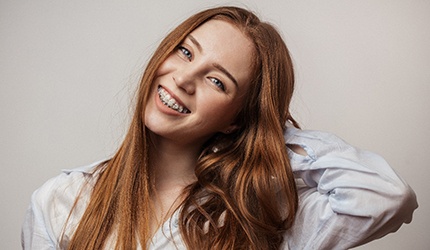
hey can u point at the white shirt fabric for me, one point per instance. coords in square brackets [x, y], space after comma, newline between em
[347, 197]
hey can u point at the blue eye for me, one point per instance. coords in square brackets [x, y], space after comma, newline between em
[218, 83]
[185, 52]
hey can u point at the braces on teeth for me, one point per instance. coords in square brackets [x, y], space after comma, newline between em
[170, 102]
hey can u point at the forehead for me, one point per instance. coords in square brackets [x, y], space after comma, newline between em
[225, 44]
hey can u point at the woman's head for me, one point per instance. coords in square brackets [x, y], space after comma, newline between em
[271, 78]
[200, 87]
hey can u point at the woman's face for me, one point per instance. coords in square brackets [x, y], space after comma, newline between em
[200, 88]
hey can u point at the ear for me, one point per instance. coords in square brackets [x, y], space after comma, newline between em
[230, 129]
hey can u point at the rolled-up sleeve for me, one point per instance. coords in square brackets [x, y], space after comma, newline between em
[347, 196]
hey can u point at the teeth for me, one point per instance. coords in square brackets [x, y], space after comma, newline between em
[170, 102]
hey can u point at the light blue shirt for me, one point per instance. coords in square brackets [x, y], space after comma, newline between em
[347, 197]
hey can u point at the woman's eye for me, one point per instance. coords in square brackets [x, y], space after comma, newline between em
[218, 83]
[184, 51]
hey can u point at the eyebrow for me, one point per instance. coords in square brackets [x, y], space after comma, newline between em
[225, 71]
[216, 65]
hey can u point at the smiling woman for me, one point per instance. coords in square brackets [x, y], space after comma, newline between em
[214, 160]
[205, 77]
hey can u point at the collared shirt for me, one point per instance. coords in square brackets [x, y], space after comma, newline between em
[347, 197]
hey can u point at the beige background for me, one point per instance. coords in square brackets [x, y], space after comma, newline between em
[68, 68]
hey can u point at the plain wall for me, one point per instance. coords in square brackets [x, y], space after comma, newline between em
[69, 68]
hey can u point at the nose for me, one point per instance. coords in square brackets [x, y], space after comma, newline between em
[185, 80]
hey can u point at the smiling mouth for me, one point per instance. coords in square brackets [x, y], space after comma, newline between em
[170, 102]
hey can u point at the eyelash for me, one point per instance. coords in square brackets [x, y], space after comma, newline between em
[185, 52]
[218, 83]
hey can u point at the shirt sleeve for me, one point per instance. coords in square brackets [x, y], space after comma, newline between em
[36, 232]
[347, 196]
[50, 208]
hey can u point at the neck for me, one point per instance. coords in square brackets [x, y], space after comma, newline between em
[173, 164]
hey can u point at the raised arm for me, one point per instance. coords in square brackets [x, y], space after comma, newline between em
[348, 196]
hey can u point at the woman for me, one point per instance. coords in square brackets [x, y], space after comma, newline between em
[204, 164]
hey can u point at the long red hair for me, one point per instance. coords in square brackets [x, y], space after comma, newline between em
[245, 191]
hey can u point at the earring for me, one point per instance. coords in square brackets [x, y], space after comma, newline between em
[227, 131]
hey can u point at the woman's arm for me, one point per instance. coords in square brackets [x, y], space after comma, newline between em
[51, 205]
[348, 196]
[36, 232]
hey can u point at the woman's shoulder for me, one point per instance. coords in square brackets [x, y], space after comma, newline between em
[60, 192]
[293, 135]
[88, 169]
[313, 143]
[68, 182]
[52, 203]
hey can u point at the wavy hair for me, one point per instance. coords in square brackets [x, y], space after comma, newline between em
[245, 194]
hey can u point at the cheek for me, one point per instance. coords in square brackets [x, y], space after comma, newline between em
[224, 112]
[238, 104]
[237, 108]
[166, 67]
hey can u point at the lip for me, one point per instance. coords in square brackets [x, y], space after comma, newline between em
[177, 99]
